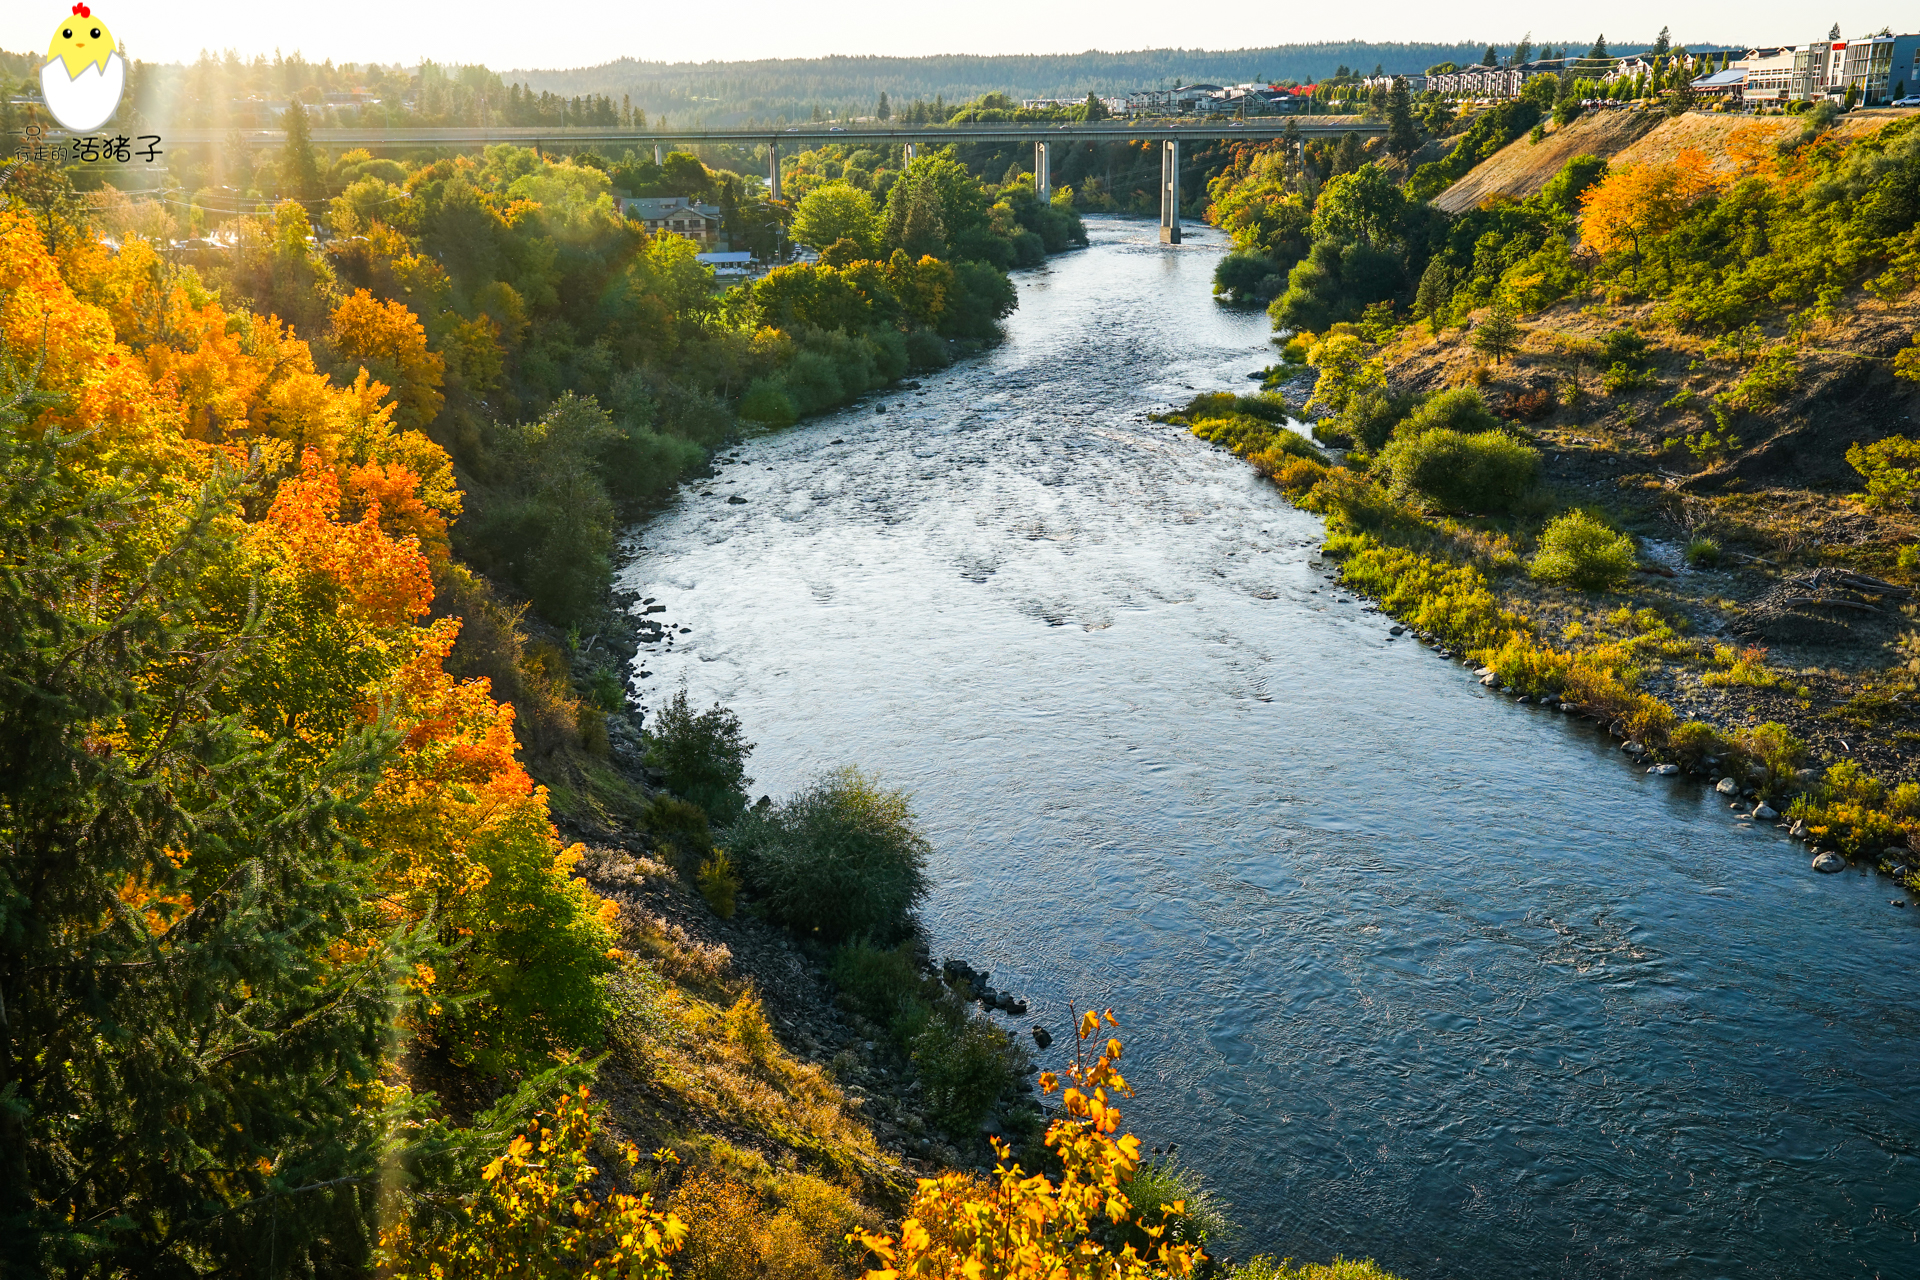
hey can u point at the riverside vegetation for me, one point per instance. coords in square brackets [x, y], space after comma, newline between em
[300, 973]
[1624, 441]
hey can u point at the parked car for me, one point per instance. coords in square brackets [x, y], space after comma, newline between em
[1905, 102]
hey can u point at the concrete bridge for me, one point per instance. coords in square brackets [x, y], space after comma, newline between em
[1170, 134]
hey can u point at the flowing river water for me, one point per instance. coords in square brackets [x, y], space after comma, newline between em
[1407, 970]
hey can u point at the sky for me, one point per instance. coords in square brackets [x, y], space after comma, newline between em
[511, 34]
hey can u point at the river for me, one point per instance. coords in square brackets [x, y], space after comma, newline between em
[1408, 971]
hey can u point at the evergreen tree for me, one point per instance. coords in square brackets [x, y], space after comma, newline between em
[299, 169]
[1403, 138]
[1093, 108]
[1662, 44]
[1524, 50]
[1499, 335]
[1491, 58]
[883, 112]
[1598, 54]
[187, 1039]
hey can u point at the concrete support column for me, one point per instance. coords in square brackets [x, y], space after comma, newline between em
[773, 168]
[1170, 193]
[913, 150]
[1042, 172]
[659, 154]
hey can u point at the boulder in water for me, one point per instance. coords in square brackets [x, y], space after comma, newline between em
[1765, 813]
[1041, 1038]
[1829, 862]
[1727, 787]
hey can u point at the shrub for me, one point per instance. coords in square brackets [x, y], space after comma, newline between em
[1484, 472]
[1579, 551]
[1295, 476]
[768, 401]
[845, 857]
[927, 350]
[963, 1065]
[1530, 406]
[1621, 378]
[717, 883]
[1891, 468]
[704, 757]
[678, 825]
[1693, 742]
[745, 1024]
[1703, 553]
[1462, 409]
[1154, 1191]
[882, 985]
[1625, 347]
[1243, 276]
[1774, 751]
[1266, 1267]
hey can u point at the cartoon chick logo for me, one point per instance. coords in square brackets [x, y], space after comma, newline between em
[84, 74]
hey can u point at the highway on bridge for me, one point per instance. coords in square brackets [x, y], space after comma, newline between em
[1170, 134]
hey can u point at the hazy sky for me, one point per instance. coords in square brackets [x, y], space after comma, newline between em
[515, 34]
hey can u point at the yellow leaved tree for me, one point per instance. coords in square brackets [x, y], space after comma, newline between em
[1029, 1227]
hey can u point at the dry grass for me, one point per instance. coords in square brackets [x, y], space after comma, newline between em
[1522, 167]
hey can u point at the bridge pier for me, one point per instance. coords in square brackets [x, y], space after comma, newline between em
[1042, 171]
[659, 155]
[913, 150]
[1170, 192]
[773, 169]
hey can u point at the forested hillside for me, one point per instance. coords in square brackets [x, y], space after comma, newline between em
[1634, 438]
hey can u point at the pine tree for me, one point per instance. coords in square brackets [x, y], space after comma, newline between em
[1491, 58]
[299, 170]
[184, 1057]
[1524, 50]
[883, 112]
[1499, 335]
[1403, 137]
[1834, 34]
[1662, 44]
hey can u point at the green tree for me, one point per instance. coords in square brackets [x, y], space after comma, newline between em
[184, 1057]
[1499, 335]
[1093, 108]
[1491, 58]
[883, 112]
[704, 757]
[1524, 50]
[1662, 45]
[1403, 137]
[836, 211]
[299, 169]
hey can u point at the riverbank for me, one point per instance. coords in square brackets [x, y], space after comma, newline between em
[1665, 659]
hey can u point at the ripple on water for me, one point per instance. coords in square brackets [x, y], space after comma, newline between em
[1407, 970]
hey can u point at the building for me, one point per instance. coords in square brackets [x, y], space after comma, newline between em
[1769, 74]
[1494, 82]
[697, 222]
[736, 265]
[1724, 86]
[1877, 68]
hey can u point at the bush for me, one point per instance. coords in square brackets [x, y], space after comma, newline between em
[1155, 1188]
[1266, 1267]
[881, 985]
[1487, 471]
[1579, 551]
[1243, 276]
[1703, 553]
[927, 350]
[717, 883]
[844, 858]
[768, 401]
[704, 757]
[963, 1065]
[1462, 409]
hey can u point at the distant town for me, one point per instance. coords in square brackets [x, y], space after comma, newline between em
[1875, 70]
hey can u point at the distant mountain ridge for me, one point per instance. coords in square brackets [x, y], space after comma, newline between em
[766, 89]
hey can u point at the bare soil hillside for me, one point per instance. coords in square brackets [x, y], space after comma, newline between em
[1522, 167]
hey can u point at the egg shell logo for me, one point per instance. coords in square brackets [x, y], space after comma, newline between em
[85, 74]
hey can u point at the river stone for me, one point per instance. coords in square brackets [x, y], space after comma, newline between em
[1727, 787]
[1829, 862]
[1041, 1038]
[1664, 770]
[1799, 829]
[1490, 680]
[736, 500]
[1396, 631]
[1894, 851]
[1483, 672]
[1765, 813]
[1568, 707]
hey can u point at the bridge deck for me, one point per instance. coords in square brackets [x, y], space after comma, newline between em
[1106, 131]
